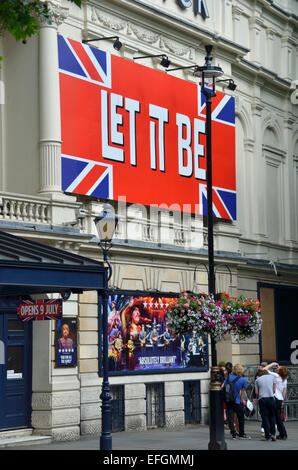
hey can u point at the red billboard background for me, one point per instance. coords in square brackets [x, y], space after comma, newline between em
[107, 121]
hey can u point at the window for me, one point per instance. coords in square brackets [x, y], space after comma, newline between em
[117, 408]
[155, 405]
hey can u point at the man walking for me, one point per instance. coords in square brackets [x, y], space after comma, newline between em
[265, 386]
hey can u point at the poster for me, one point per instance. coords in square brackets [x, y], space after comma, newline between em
[127, 128]
[140, 340]
[66, 342]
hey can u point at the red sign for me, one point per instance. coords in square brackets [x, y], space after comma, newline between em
[131, 132]
[40, 310]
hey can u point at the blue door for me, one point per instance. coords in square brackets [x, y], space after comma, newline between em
[15, 371]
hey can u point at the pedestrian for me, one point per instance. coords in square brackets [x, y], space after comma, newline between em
[281, 375]
[238, 404]
[265, 386]
[261, 367]
[222, 376]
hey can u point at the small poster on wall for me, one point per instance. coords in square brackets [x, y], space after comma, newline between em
[66, 342]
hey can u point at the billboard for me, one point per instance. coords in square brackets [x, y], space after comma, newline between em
[135, 133]
[141, 342]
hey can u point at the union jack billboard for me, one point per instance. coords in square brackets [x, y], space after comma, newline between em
[132, 132]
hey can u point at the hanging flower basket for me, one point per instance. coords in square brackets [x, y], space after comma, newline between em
[243, 315]
[203, 314]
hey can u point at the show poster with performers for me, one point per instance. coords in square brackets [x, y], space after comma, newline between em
[140, 340]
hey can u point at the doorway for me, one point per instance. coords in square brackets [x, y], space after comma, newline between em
[15, 371]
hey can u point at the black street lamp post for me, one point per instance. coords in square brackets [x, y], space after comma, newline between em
[105, 224]
[216, 424]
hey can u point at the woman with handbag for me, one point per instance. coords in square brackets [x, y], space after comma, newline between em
[281, 375]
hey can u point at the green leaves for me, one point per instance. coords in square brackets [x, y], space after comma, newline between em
[22, 18]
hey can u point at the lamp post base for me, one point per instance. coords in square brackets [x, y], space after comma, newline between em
[216, 418]
[105, 443]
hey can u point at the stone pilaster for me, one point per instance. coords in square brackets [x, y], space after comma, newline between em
[256, 24]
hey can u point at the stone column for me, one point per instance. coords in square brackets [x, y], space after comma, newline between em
[2, 120]
[50, 131]
[287, 44]
[255, 26]
[259, 166]
[270, 49]
[236, 14]
[289, 184]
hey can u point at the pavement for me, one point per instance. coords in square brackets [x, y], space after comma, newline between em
[189, 438]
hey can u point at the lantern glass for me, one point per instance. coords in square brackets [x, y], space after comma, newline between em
[106, 223]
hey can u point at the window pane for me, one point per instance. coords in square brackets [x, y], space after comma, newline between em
[15, 362]
[15, 325]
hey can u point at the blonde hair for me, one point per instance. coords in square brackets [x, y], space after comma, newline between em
[238, 369]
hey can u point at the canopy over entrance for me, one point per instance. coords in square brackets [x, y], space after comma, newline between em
[28, 267]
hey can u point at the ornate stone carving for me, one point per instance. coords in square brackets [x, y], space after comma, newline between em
[107, 20]
[59, 12]
[144, 34]
[175, 47]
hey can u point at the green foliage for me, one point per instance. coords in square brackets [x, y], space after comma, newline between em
[22, 18]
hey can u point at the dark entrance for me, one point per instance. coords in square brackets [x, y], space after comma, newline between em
[286, 326]
[192, 401]
[15, 371]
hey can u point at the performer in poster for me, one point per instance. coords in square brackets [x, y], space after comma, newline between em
[65, 342]
[132, 320]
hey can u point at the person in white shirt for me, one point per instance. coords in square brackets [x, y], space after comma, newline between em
[265, 386]
[281, 375]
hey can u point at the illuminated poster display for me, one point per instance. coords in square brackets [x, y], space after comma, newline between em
[140, 341]
[127, 128]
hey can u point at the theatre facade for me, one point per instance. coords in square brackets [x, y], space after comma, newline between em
[92, 112]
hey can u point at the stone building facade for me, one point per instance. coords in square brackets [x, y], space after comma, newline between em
[255, 43]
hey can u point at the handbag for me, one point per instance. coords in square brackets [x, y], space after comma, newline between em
[249, 409]
[283, 416]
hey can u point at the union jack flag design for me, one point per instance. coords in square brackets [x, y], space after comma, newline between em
[135, 132]
[50, 309]
[84, 62]
[223, 202]
[87, 177]
[222, 108]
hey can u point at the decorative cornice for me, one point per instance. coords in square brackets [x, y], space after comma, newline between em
[172, 20]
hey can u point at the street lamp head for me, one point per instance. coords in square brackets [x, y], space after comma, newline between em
[106, 223]
[208, 70]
